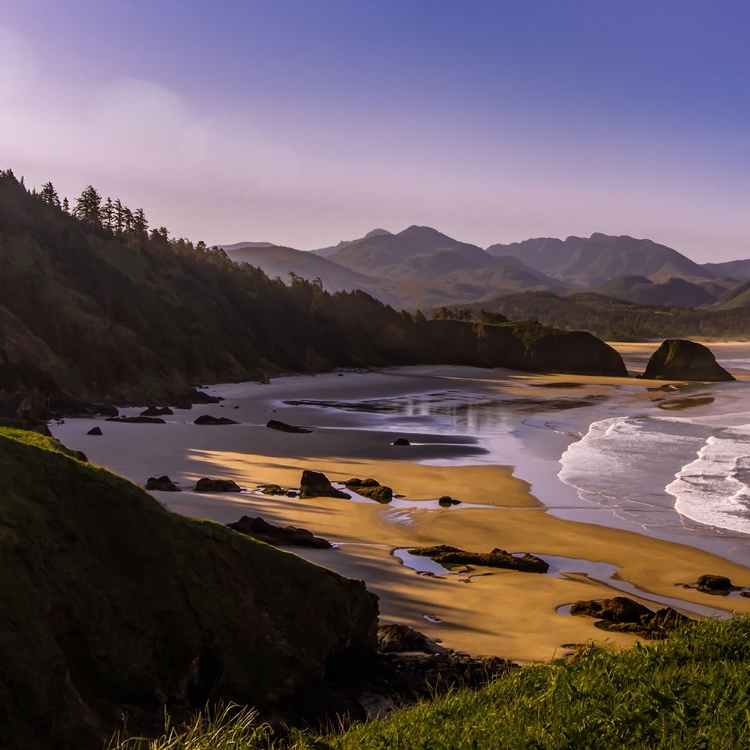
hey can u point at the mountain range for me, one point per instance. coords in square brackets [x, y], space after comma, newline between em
[420, 267]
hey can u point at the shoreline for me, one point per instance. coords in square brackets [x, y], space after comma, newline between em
[510, 614]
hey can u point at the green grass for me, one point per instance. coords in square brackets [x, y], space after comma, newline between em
[689, 692]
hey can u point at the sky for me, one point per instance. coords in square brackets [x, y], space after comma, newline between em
[305, 122]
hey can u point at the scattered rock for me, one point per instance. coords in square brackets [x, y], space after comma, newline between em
[275, 424]
[162, 484]
[81, 456]
[278, 535]
[624, 615]
[446, 501]
[157, 411]
[217, 485]
[95, 431]
[208, 419]
[316, 484]
[371, 488]
[711, 584]
[678, 359]
[414, 667]
[400, 441]
[497, 558]
[136, 420]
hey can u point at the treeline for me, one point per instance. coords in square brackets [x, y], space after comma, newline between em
[113, 312]
[617, 320]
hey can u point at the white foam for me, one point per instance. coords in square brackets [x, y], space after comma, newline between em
[714, 488]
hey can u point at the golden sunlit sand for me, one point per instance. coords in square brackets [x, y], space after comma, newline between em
[506, 613]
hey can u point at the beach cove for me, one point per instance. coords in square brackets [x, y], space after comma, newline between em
[492, 439]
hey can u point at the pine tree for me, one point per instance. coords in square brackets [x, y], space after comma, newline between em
[119, 218]
[140, 225]
[108, 213]
[88, 207]
[66, 206]
[127, 220]
[49, 195]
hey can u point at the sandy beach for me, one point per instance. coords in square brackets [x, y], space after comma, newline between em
[491, 439]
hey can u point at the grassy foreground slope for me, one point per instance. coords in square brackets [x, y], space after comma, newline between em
[692, 691]
[112, 606]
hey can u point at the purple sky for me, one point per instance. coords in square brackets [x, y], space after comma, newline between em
[307, 122]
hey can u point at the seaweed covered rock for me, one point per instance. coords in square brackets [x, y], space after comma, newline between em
[370, 488]
[136, 420]
[278, 535]
[625, 615]
[317, 484]
[496, 558]
[678, 359]
[398, 638]
[113, 605]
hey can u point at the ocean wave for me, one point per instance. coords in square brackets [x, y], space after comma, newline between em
[698, 467]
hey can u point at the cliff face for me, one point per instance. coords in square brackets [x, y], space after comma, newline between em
[678, 359]
[526, 346]
[112, 605]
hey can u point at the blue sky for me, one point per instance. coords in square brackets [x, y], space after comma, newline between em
[305, 122]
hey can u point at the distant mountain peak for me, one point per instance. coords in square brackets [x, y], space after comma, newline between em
[376, 233]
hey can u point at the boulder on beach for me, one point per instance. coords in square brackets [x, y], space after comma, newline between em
[276, 424]
[446, 501]
[157, 411]
[95, 431]
[497, 558]
[370, 488]
[624, 615]
[679, 359]
[714, 584]
[216, 485]
[401, 441]
[161, 484]
[278, 535]
[317, 484]
[207, 419]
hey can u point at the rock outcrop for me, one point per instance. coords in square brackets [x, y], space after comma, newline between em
[112, 605]
[157, 411]
[317, 484]
[97, 431]
[370, 488]
[678, 359]
[713, 584]
[278, 536]
[497, 558]
[624, 615]
[402, 441]
[207, 419]
[161, 484]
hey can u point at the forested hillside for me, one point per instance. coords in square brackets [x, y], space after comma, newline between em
[97, 306]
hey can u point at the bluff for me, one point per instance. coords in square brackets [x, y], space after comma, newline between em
[679, 359]
[125, 317]
[114, 606]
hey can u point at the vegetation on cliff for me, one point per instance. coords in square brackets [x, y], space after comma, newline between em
[688, 692]
[113, 606]
[96, 306]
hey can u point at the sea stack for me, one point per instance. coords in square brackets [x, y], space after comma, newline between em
[678, 359]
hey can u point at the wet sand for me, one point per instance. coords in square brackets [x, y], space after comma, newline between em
[507, 613]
